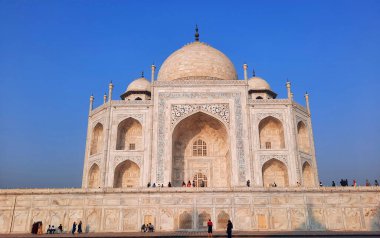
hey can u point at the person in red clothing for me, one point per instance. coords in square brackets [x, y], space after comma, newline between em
[209, 226]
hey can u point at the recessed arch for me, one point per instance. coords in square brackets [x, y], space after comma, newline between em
[185, 220]
[214, 162]
[138, 98]
[129, 135]
[127, 175]
[303, 137]
[259, 97]
[275, 172]
[94, 176]
[97, 139]
[308, 175]
[271, 133]
[222, 221]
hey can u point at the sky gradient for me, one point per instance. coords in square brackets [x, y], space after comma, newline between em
[55, 54]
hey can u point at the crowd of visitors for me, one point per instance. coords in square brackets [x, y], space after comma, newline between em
[50, 229]
[147, 227]
[344, 183]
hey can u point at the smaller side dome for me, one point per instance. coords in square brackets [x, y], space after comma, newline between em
[257, 83]
[258, 88]
[138, 86]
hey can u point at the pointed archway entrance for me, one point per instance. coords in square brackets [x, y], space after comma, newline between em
[200, 152]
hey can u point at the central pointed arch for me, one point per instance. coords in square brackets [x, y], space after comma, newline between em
[127, 175]
[200, 144]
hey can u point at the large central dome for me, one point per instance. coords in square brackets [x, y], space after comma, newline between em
[197, 60]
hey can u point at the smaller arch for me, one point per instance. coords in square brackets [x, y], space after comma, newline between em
[223, 218]
[259, 97]
[303, 137]
[308, 175]
[94, 176]
[275, 172]
[271, 133]
[127, 175]
[185, 220]
[199, 148]
[138, 98]
[97, 139]
[129, 135]
[203, 219]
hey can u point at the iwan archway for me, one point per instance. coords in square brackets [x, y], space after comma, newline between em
[201, 152]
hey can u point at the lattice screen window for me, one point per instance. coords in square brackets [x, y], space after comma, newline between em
[132, 146]
[199, 148]
[268, 145]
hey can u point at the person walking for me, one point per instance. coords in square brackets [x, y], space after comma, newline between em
[80, 227]
[229, 229]
[209, 228]
[74, 228]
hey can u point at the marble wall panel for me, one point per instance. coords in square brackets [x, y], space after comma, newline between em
[262, 218]
[93, 218]
[222, 201]
[296, 200]
[222, 217]
[56, 201]
[242, 200]
[279, 218]
[352, 219]
[205, 200]
[6, 201]
[111, 220]
[298, 219]
[166, 219]
[243, 219]
[5, 220]
[335, 218]
[351, 199]
[316, 219]
[260, 200]
[20, 221]
[278, 200]
[370, 199]
[372, 218]
[130, 218]
[129, 201]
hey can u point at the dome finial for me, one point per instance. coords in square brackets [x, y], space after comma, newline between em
[142, 74]
[196, 33]
[253, 72]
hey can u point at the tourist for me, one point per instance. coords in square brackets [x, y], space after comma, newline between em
[60, 228]
[298, 184]
[367, 183]
[274, 184]
[341, 182]
[74, 228]
[52, 230]
[48, 230]
[183, 184]
[194, 183]
[188, 184]
[229, 229]
[39, 230]
[354, 183]
[346, 182]
[333, 183]
[209, 228]
[248, 183]
[143, 228]
[376, 183]
[148, 185]
[169, 184]
[154, 185]
[202, 183]
[320, 184]
[80, 227]
[151, 227]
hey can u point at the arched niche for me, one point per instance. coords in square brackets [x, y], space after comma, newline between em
[203, 219]
[223, 218]
[129, 135]
[127, 175]
[97, 139]
[200, 145]
[185, 221]
[303, 137]
[271, 133]
[94, 176]
[275, 172]
[308, 175]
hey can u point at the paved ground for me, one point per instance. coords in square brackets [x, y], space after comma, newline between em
[204, 234]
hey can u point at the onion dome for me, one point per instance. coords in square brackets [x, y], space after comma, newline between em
[138, 86]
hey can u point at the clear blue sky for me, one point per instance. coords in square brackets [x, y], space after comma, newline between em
[54, 54]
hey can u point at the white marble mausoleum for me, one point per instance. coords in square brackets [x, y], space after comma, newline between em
[196, 121]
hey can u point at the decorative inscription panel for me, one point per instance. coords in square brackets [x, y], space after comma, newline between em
[281, 157]
[118, 159]
[163, 97]
[276, 115]
[180, 111]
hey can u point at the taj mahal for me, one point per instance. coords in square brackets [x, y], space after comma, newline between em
[198, 122]
[248, 156]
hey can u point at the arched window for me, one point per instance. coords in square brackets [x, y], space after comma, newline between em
[97, 139]
[127, 175]
[259, 97]
[303, 137]
[275, 172]
[199, 148]
[94, 176]
[271, 134]
[308, 175]
[129, 135]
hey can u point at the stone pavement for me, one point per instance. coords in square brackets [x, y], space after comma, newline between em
[204, 234]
